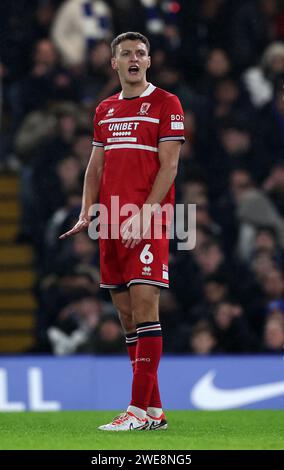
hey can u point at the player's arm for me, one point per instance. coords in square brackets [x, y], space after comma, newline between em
[91, 189]
[169, 157]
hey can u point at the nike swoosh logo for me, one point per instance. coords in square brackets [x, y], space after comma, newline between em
[207, 396]
[131, 427]
[155, 426]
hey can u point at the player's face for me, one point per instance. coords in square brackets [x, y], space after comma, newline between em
[131, 61]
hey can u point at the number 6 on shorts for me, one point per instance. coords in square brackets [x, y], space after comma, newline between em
[146, 257]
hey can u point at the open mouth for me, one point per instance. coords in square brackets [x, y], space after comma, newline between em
[133, 69]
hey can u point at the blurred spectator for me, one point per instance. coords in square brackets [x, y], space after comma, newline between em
[209, 258]
[202, 339]
[240, 182]
[231, 145]
[16, 36]
[260, 80]
[215, 290]
[84, 249]
[74, 326]
[52, 193]
[229, 99]
[271, 127]
[274, 186]
[99, 82]
[193, 190]
[47, 82]
[78, 25]
[254, 210]
[273, 284]
[171, 79]
[224, 209]
[123, 18]
[156, 18]
[107, 338]
[266, 239]
[253, 26]
[61, 219]
[232, 329]
[261, 264]
[217, 66]
[203, 24]
[82, 147]
[43, 17]
[34, 129]
[261, 240]
[44, 137]
[273, 338]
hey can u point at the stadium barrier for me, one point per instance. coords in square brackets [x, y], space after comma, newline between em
[46, 383]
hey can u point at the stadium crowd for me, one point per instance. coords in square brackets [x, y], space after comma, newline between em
[224, 59]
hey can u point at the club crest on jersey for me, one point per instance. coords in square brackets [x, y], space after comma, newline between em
[110, 112]
[144, 109]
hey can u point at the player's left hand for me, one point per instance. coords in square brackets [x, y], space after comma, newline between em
[134, 229]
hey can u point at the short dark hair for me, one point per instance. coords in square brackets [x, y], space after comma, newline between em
[130, 35]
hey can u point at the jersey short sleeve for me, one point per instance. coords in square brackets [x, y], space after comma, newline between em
[171, 120]
[97, 140]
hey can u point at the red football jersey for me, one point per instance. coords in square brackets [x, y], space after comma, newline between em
[130, 131]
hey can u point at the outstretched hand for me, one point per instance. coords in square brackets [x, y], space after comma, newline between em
[81, 225]
[134, 229]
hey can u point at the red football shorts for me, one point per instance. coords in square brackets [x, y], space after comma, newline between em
[146, 263]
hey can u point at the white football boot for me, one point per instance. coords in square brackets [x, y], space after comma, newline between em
[126, 422]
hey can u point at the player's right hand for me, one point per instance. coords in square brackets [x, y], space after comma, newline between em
[81, 225]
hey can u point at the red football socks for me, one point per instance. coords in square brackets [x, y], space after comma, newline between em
[131, 343]
[146, 353]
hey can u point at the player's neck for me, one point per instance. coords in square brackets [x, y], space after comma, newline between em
[130, 90]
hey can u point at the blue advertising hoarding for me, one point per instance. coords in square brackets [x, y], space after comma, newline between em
[104, 383]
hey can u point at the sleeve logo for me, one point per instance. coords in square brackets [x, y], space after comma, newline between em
[177, 125]
[177, 117]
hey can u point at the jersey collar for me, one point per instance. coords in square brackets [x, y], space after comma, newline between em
[150, 88]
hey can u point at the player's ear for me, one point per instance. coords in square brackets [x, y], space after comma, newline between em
[114, 63]
[149, 62]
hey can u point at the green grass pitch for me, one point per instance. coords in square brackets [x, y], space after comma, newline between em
[188, 430]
